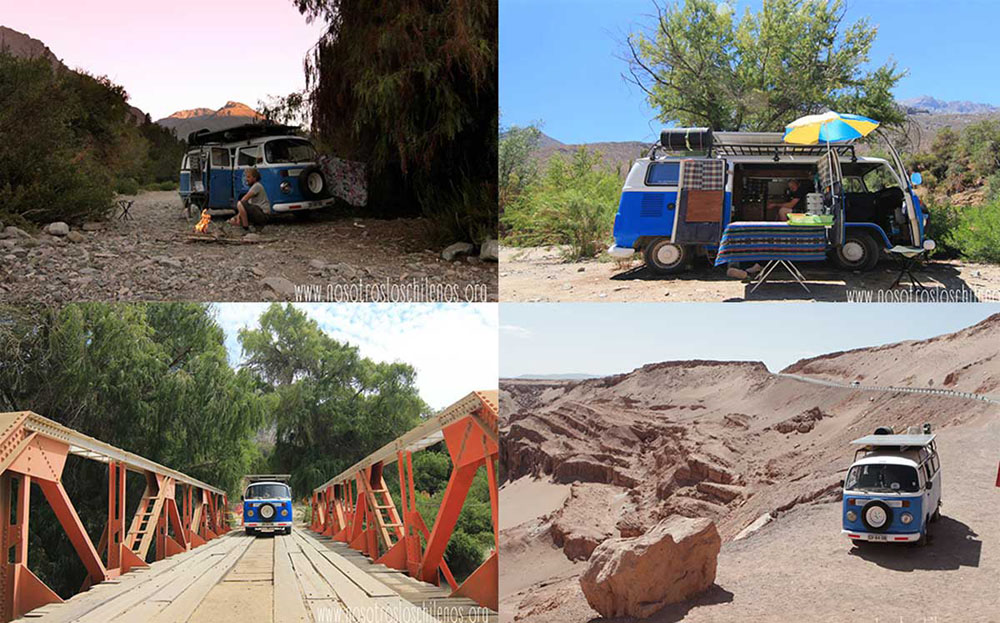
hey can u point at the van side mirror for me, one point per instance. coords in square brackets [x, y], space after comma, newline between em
[929, 485]
[916, 179]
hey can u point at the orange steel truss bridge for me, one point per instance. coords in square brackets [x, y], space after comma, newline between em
[176, 559]
[34, 449]
[355, 507]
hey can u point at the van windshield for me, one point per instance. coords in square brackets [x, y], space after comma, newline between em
[285, 150]
[267, 492]
[882, 479]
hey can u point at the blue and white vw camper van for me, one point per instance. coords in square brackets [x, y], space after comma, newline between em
[893, 489]
[713, 179]
[267, 505]
[213, 170]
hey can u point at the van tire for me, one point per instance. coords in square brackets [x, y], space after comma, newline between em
[666, 258]
[250, 531]
[859, 251]
[937, 513]
[308, 174]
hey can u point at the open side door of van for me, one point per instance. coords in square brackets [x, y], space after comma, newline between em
[904, 183]
[220, 178]
[701, 198]
[831, 180]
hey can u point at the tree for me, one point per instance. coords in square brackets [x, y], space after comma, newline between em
[518, 167]
[333, 407]
[410, 88]
[702, 67]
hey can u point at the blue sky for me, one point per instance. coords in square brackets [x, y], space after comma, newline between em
[452, 346]
[559, 59]
[608, 338]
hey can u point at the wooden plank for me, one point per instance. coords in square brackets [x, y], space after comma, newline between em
[289, 601]
[106, 592]
[182, 607]
[370, 585]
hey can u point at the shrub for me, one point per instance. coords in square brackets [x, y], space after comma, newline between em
[573, 204]
[976, 233]
[464, 554]
[127, 186]
[941, 222]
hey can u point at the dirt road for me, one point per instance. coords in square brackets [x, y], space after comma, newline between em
[148, 257]
[536, 274]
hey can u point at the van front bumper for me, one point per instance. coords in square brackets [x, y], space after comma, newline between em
[270, 526]
[300, 206]
[616, 251]
[881, 537]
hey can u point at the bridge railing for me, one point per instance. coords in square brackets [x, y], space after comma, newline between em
[33, 450]
[355, 506]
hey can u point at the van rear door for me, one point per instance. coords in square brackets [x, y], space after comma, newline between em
[701, 200]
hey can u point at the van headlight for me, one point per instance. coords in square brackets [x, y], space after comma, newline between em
[906, 518]
[249, 513]
[284, 512]
[852, 516]
[286, 187]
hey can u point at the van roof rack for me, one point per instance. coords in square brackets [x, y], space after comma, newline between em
[896, 441]
[252, 478]
[239, 133]
[772, 144]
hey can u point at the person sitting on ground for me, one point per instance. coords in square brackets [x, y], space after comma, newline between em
[797, 192]
[254, 205]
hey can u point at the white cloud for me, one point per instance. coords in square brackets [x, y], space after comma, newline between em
[515, 331]
[454, 348]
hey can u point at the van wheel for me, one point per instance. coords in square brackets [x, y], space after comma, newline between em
[925, 535]
[859, 252]
[937, 513]
[250, 531]
[665, 257]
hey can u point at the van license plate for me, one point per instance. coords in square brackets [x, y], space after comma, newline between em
[877, 537]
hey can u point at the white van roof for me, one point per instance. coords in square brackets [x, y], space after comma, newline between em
[910, 441]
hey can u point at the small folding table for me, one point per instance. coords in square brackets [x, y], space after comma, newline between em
[777, 244]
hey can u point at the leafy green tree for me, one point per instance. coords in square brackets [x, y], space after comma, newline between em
[332, 406]
[410, 88]
[518, 168]
[702, 66]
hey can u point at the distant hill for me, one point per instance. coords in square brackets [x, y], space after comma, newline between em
[558, 377]
[21, 45]
[616, 154]
[183, 122]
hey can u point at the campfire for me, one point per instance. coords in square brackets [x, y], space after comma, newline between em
[203, 223]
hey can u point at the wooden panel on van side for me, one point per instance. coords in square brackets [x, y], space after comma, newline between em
[704, 206]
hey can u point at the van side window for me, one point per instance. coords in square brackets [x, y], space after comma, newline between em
[663, 173]
[220, 157]
[249, 156]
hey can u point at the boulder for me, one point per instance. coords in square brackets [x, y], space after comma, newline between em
[15, 232]
[638, 576]
[459, 248]
[281, 287]
[75, 236]
[57, 229]
[91, 226]
[490, 251]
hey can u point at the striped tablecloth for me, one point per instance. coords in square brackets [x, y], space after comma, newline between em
[753, 241]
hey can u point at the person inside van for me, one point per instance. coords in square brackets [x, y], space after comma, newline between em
[797, 192]
[254, 205]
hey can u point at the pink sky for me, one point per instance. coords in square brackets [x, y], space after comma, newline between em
[175, 55]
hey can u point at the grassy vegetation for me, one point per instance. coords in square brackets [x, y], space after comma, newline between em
[572, 203]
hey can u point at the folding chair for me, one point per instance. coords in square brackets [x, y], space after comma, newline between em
[908, 259]
[125, 205]
[790, 266]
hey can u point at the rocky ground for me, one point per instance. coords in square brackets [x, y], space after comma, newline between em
[540, 274]
[328, 257]
[763, 456]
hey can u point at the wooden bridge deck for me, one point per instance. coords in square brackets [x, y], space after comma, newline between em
[298, 578]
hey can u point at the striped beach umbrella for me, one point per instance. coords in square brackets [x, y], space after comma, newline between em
[828, 127]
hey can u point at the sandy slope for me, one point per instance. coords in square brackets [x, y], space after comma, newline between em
[733, 442]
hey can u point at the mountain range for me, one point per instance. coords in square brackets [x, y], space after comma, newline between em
[183, 122]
